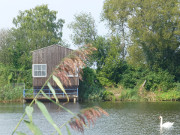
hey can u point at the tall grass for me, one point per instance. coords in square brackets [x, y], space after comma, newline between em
[11, 93]
[139, 93]
[171, 95]
[130, 95]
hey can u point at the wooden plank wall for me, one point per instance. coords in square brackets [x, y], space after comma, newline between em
[51, 56]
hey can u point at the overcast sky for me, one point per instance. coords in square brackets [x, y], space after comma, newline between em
[66, 10]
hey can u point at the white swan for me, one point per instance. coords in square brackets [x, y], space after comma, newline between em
[165, 125]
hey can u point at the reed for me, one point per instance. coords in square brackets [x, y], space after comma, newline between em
[77, 122]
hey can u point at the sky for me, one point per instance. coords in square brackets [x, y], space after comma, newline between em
[66, 10]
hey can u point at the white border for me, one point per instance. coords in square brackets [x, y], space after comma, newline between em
[72, 75]
[38, 76]
[76, 75]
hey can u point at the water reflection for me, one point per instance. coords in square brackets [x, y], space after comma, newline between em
[126, 118]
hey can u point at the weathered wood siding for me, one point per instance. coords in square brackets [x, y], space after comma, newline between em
[51, 56]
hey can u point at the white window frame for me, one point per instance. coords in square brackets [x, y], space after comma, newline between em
[76, 74]
[33, 70]
[72, 75]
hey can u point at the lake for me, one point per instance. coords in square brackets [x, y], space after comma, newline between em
[125, 118]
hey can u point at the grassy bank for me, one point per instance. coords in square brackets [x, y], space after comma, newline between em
[133, 84]
[121, 94]
[11, 93]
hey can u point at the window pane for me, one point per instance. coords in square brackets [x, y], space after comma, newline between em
[44, 67]
[35, 73]
[39, 67]
[35, 67]
[43, 73]
[40, 70]
[39, 73]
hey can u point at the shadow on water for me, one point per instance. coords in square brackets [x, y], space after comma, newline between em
[126, 118]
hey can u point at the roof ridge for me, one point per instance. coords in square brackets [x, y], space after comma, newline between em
[51, 46]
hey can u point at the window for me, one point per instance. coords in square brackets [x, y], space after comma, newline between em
[39, 70]
[71, 75]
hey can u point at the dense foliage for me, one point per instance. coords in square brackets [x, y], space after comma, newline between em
[143, 46]
[84, 29]
[153, 28]
[37, 28]
[11, 92]
[141, 52]
[34, 29]
[89, 87]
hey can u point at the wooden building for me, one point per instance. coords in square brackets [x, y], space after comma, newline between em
[44, 61]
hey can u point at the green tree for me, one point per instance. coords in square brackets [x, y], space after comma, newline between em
[136, 56]
[102, 45]
[84, 29]
[38, 27]
[116, 13]
[154, 27]
[112, 65]
[34, 29]
[5, 42]
[89, 86]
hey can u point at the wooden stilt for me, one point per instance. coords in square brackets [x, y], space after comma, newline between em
[74, 100]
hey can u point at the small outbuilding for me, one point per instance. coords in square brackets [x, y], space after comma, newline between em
[44, 61]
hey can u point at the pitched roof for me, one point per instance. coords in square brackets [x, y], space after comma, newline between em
[50, 46]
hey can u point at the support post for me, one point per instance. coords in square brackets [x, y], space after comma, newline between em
[24, 93]
[34, 92]
[74, 99]
[77, 92]
[49, 93]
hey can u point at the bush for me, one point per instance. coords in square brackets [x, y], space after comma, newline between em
[129, 94]
[159, 80]
[107, 96]
[89, 87]
[11, 93]
[9, 75]
[155, 80]
[111, 73]
[168, 96]
[178, 86]
[131, 77]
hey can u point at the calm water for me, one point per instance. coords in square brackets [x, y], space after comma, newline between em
[126, 118]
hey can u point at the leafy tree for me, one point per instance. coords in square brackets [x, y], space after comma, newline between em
[131, 77]
[84, 29]
[154, 27]
[136, 56]
[89, 86]
[116, 13]
[34, 29]
[6, 38]
[4, 34]
[113, 64]
[102, 45]
[38, 27]
[159, 80]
